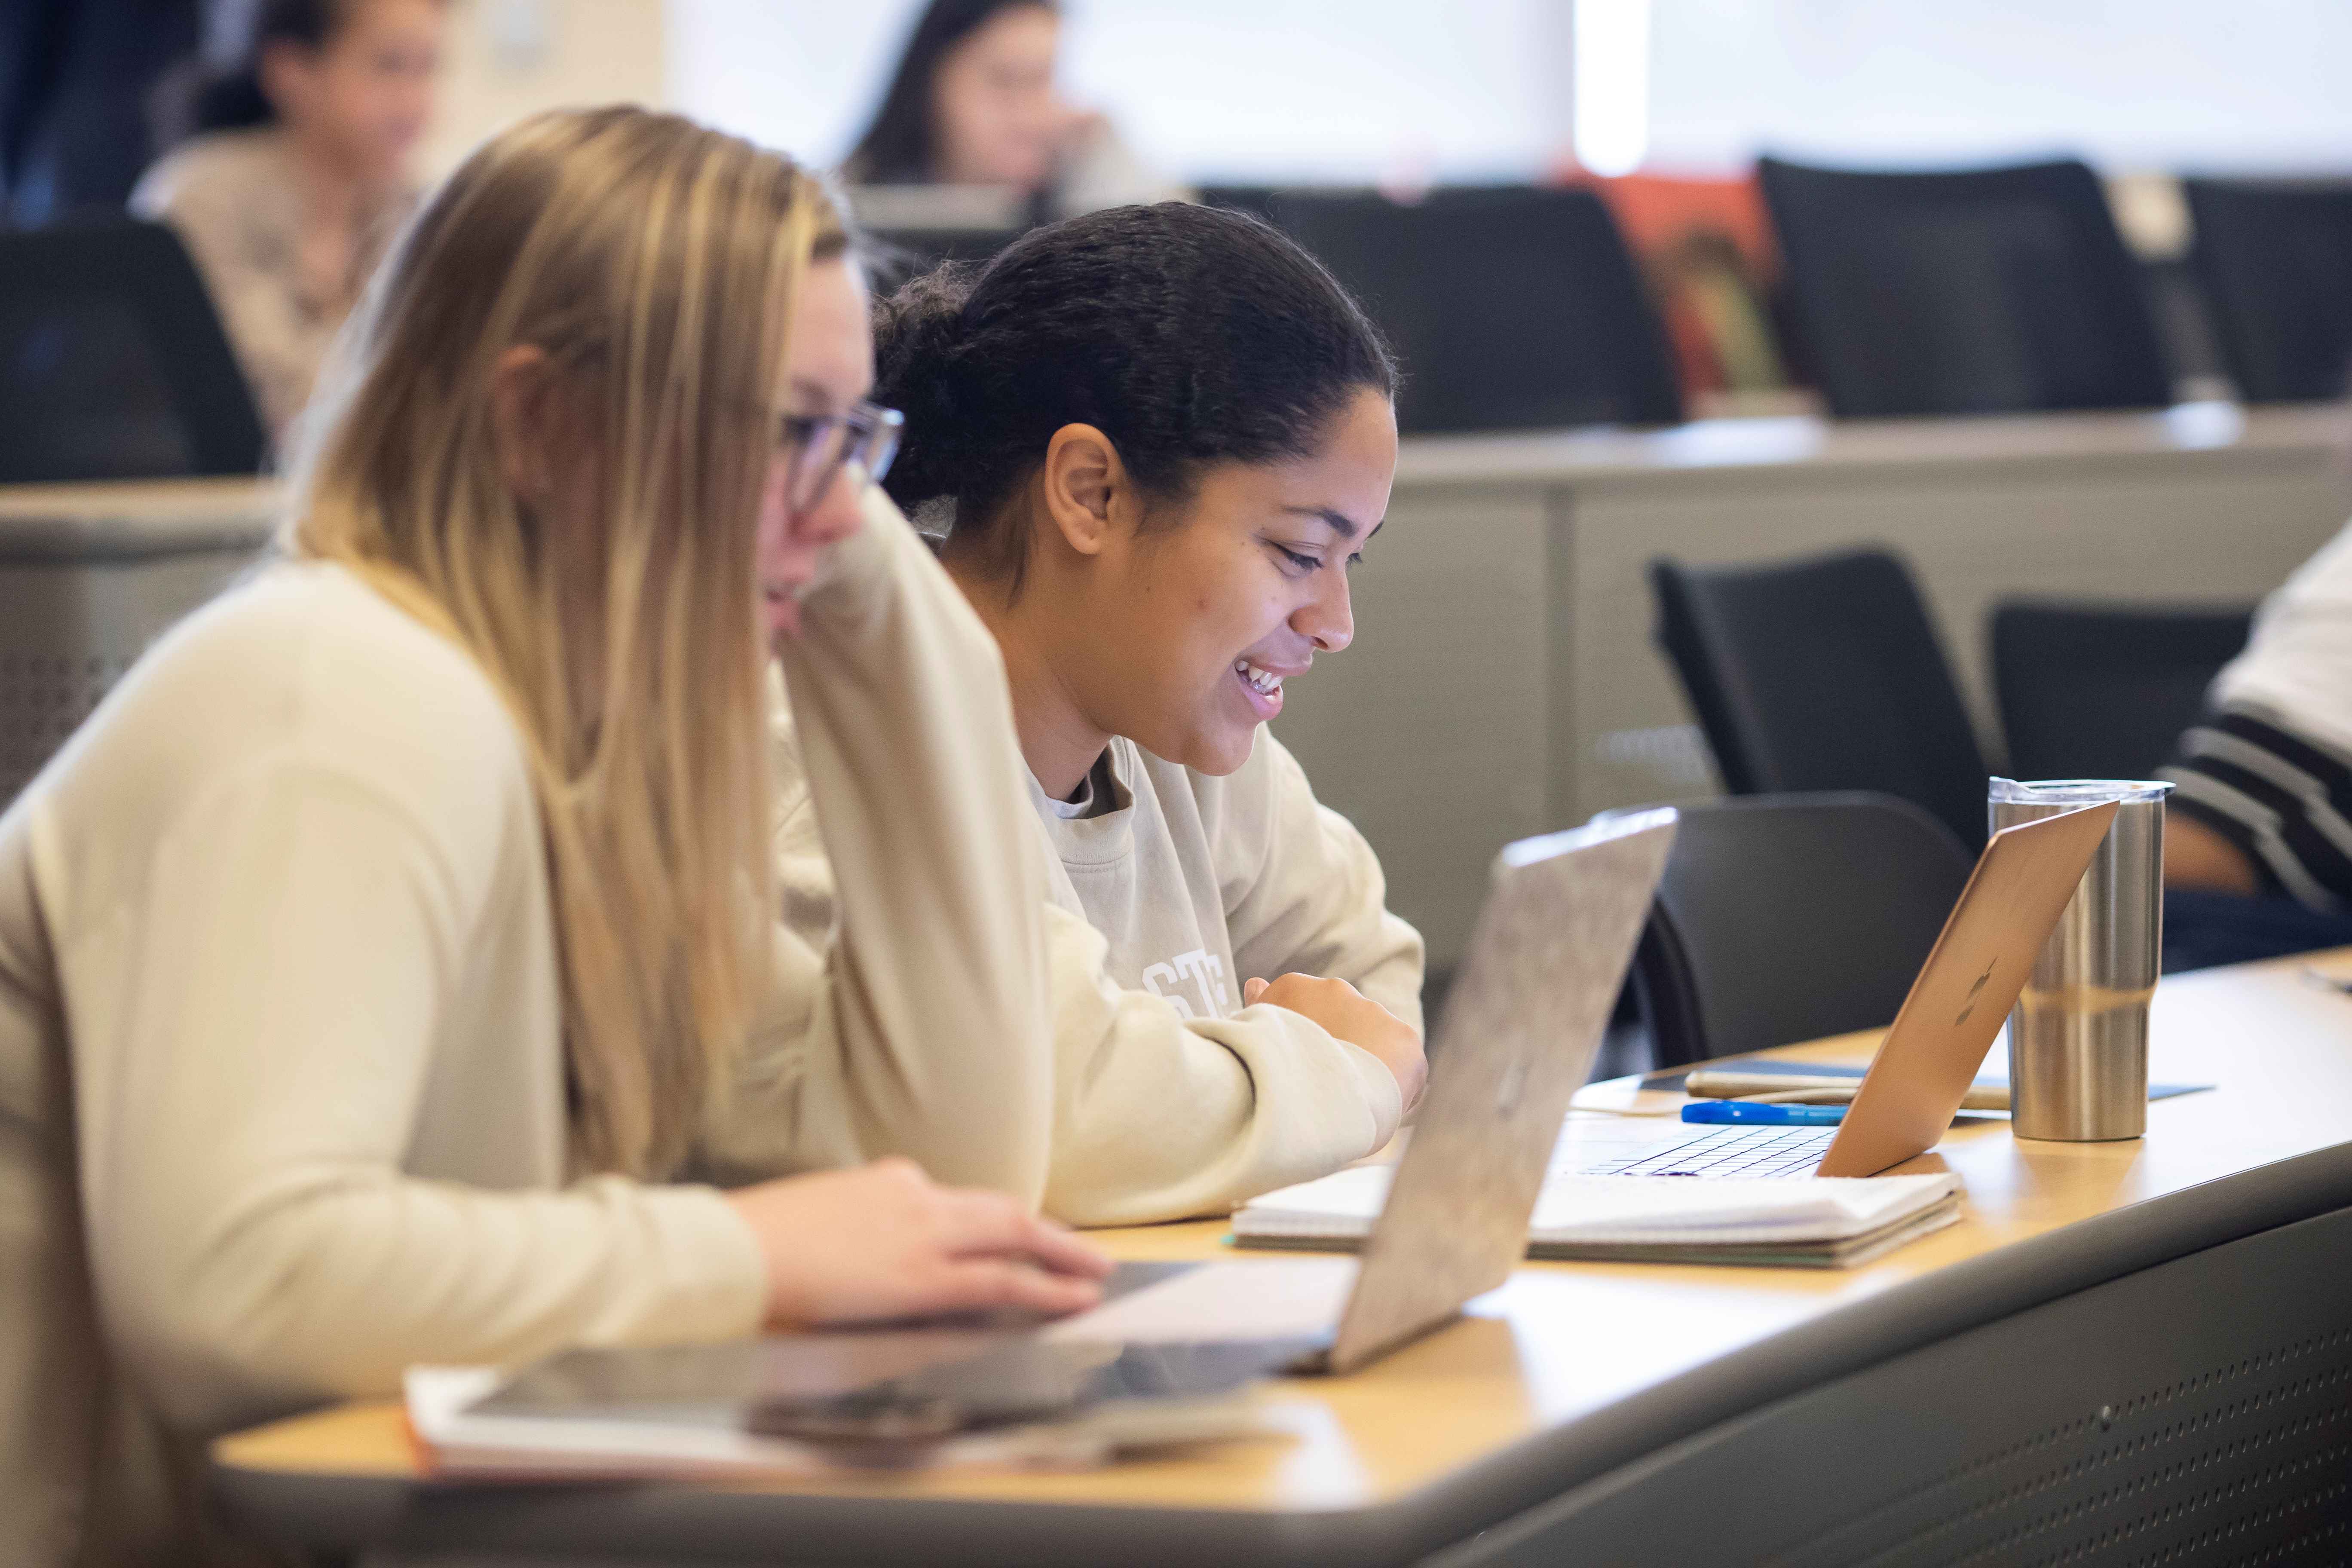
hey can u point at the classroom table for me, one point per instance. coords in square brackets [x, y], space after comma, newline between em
[2122, 1351]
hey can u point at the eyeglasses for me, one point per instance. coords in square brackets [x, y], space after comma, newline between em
[818, 447]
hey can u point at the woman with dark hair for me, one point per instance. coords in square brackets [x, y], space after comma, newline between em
[1155, 438]
[296, 175]
[973, 103]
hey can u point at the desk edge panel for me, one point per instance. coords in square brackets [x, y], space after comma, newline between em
[351, 1511]
[1919, 1312]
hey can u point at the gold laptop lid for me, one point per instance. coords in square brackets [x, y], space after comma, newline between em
[1965, 989]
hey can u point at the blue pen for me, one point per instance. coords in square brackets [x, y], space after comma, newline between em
[1783, 1115]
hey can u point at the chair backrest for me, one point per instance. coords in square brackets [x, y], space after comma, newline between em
[1822, 674]
[1986, 291]
[1511, 307]
[899, 254]
[2275, 261]
[2105, 690]
[113, 363]
[1255, 200]
[89, 579]
[1786, 918]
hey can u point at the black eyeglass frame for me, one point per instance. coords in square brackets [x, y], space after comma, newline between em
[818, 447]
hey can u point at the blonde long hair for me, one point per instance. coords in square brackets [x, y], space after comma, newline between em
[657, 263]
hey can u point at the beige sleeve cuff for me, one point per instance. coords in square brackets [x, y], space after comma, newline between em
[1380, 1089]
[854, 573]
[709, 1280]
[1162, 1117]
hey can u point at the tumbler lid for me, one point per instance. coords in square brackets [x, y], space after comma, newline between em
[2074, 792]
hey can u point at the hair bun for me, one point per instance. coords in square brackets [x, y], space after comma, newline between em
[917, 334]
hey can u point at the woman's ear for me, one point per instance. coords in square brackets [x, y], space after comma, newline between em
[524, 416]
[1081, 481]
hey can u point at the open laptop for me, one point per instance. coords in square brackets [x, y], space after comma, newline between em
[1957, 1006]
[1524, 1021]
[1522, 1025]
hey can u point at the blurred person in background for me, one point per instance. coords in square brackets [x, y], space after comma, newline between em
[296, 174]
[974, 102]
[371, 961]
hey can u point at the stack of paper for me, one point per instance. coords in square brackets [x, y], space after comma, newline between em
[1818, 1221]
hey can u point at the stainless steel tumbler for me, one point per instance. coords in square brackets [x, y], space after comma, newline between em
[2078, 1035]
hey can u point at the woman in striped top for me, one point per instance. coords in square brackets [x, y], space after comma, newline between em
[2258, 858]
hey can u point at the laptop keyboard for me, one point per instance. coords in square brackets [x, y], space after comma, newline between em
[1745, 1152]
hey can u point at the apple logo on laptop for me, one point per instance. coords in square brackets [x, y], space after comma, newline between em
[1974, 991]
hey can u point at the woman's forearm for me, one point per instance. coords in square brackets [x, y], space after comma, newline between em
[932, 1036]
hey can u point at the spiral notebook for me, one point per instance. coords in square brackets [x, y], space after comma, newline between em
[1827, 1222]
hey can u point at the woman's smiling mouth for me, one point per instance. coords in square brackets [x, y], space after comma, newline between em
[1261, 686]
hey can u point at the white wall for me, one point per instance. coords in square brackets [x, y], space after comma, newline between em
[508, 59]
[1266, 90]
[1367, 88]
[2179, 84]
[795, 74]
[1250, 89]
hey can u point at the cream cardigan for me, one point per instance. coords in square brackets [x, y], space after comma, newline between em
[282, 1092]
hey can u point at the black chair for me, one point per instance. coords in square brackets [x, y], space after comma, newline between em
[2275, 261]
[2103, 691]
[1989, 291]
[112, 363]
[1822, 674]
[1788, 918]
[1511, 307]
[897, 254]
[1255, 200]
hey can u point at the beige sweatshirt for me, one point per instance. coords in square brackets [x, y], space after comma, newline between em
[1171, 1097]
[279, 1018]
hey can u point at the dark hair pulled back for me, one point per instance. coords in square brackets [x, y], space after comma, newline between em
[1190, 335]
[231, 99]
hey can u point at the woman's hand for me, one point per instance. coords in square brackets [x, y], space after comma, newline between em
[2195, 856]
[884, 1241]
[1348, 1015]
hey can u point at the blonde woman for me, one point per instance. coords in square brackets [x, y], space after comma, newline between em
[369, 963]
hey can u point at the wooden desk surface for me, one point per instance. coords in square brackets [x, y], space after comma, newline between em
[1562, 1341]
